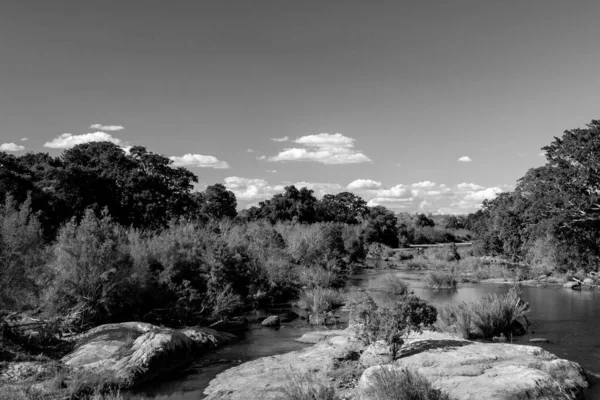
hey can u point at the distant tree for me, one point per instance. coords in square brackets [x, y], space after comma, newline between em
[381, 226]
[424, 221]
[291, 205]
[343, 207]
[218, 202]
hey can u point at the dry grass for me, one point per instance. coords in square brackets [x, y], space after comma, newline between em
[390, 283]
[389, 383]
[305, 386]
[441, 279]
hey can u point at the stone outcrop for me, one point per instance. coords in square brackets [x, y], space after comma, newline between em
[135, 352]
[469, 370]
[465, 369]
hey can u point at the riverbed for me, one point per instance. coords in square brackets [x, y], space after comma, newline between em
[567, 318]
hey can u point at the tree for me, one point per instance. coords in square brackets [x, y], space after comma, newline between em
[381, 226]
[343, 207]
[291, 205]
[424, 221]
[218, 202]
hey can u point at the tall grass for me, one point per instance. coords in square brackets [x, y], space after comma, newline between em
[392, 383]
[390, 283]
[441, 279]
[493, 315]
[320, 300]
[305, 386]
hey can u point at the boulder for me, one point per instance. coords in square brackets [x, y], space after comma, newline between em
[271, 321]
[489, 371]
[588, 281]
[318, 336]
[376, 354]
[571, 285]
[135, 352]
[542, 277]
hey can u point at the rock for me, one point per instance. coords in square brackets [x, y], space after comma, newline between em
[588, 281]
[539, 340]
[271, 321]
[571, 285]
[318, 336]
[263, 378]
[542, 277]
[465, 369]
[490, 371]
[376, 354]
[135, 352]
[288, 316]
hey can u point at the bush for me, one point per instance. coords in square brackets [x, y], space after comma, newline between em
[22, 255]
[305, 386]
[440, 280]
[493, 315]
[393, 383]
[390, 283]
[320, 300]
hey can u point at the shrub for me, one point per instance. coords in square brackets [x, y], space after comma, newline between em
[493, 315]
[305, 386]
[390, 283]
[393, 383]
[92, 268]
[22, 255]
[440, 280]
[320, 300]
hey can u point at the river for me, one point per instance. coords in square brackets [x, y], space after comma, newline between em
[569, 319]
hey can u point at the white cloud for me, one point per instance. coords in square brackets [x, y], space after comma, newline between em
[323, 148]
[320, 188]
[469, 186]
[281, 139]
[68, 140]
[359, 184]
[542, 154]
[24, 139]
[108, 128]
[11, 147]
[198, 160]
[485, 194]
[273, 171]
[248, 189]
[424, 184]
[249, 151]
[464, 159]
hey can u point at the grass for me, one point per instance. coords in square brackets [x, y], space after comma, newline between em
[493, 315]
[390, 283]
[305, 386]
[320, 300]
[389, 383]
[441, 280]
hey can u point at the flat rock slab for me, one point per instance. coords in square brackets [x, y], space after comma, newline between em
[318, 336]
[263, 378]
[492, 371]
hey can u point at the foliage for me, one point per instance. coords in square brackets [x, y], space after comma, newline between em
[306, 386]
[441, 279]
[320, 300]
[390, 283]
[492, 315]
[21, 255]
[392, 383]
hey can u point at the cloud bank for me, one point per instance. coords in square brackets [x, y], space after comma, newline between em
[465, 159]
[11, 147]
[107, 128]
[323, 148]
[68, 140]
[198, 161]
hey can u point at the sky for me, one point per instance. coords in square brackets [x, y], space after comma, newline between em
[419, 106]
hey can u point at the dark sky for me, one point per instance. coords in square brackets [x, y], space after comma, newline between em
[416, 84]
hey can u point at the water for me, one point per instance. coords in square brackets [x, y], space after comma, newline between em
[570, 319]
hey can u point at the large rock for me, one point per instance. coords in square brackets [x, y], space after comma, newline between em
[376, 354]
[135, 352]
[318, 336]
[571, 285]
[271, 321]
[263, 378]
[470, 370]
